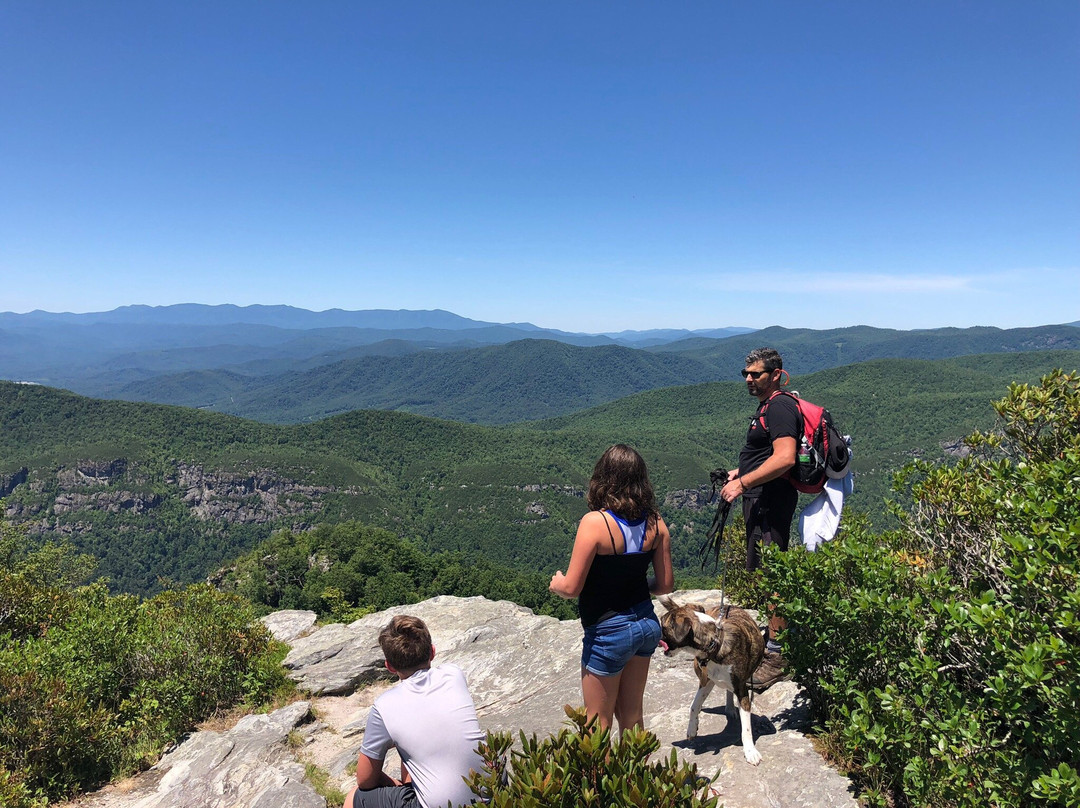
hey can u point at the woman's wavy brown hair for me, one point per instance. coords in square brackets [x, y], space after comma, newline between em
[620, 483]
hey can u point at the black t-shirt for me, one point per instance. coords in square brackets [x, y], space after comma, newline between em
[781, 421]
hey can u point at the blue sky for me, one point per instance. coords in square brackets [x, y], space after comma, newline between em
[590, 166]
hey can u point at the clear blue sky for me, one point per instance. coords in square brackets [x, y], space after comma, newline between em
[589, 166]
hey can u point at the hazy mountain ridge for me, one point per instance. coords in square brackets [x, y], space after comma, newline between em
[538, 379]
[66, 355]
[228, 357]
[287, 317]
[807, 350]
[291, 317]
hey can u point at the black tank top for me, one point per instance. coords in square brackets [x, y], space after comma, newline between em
[615, 583]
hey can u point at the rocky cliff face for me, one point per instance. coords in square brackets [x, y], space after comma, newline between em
[9, 481]
[692, 499]
[259, 496]
[521, 668]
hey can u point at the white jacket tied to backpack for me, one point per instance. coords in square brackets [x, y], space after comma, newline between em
[820, 519]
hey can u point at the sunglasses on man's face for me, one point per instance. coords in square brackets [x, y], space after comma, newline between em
[748, 373]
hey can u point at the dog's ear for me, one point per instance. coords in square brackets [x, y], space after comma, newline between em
[678, 630]
[697, 607]
[668, 603]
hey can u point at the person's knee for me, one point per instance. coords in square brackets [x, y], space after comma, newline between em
[629, 717]
[349, 798]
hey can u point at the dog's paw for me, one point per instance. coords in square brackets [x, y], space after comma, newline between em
[753, 756]
[691, 730]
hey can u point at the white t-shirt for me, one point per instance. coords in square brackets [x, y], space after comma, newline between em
[431, 719]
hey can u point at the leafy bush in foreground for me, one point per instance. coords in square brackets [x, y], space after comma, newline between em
[582, 768]
[944, 657]
[93, 686]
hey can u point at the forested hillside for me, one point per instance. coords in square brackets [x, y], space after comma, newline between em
[536, 378]
[524, 380]
[154, 490]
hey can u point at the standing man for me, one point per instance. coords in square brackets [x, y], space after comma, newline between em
[769, 499]
[429, 716]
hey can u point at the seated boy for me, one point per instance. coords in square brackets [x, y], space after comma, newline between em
[430, 716]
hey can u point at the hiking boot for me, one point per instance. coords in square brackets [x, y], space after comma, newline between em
[771, 669]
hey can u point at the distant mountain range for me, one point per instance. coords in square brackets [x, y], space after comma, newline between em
[290, 317]
[97, 352]
[282, 364]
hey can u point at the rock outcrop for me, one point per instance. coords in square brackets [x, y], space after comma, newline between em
[249, 766]
[91, 472]
[522, 668]
[257, 497]
[691, 499]
[8, 482]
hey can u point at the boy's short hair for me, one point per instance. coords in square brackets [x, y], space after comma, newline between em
[406, 643]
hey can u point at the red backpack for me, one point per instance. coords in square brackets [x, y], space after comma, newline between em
[822, 452]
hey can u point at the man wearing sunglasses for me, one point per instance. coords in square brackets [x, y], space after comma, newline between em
[769, 500]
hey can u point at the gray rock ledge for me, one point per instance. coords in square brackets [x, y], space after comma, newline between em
[522, 668]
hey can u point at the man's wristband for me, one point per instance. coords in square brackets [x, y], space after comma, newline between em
[742, 485]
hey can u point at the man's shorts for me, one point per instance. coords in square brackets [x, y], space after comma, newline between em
[387, 797]
[768, 521]
[610, 644]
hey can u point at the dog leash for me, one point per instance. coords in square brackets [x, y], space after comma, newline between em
[714, 538]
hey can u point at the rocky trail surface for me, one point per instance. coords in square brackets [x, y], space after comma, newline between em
[522, 668]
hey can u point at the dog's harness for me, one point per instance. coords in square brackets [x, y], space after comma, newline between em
[711, 649]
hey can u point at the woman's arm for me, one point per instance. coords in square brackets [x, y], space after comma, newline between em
[663, 582]
[585, 544]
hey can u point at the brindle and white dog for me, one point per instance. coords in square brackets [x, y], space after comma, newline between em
[727, 649]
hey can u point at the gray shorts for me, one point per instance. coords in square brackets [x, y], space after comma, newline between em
[387, 797]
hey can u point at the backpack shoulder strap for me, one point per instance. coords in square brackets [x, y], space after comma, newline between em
[761, 415]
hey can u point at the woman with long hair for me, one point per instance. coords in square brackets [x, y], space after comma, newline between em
[608, 573]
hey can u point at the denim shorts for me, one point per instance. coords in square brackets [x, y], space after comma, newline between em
[609, 644]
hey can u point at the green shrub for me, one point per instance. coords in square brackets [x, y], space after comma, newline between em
[580, 767]
[93, 686]
[944, 657]
[13, 794]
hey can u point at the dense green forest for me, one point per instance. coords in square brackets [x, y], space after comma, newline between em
[155, 491]
[343, 571]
